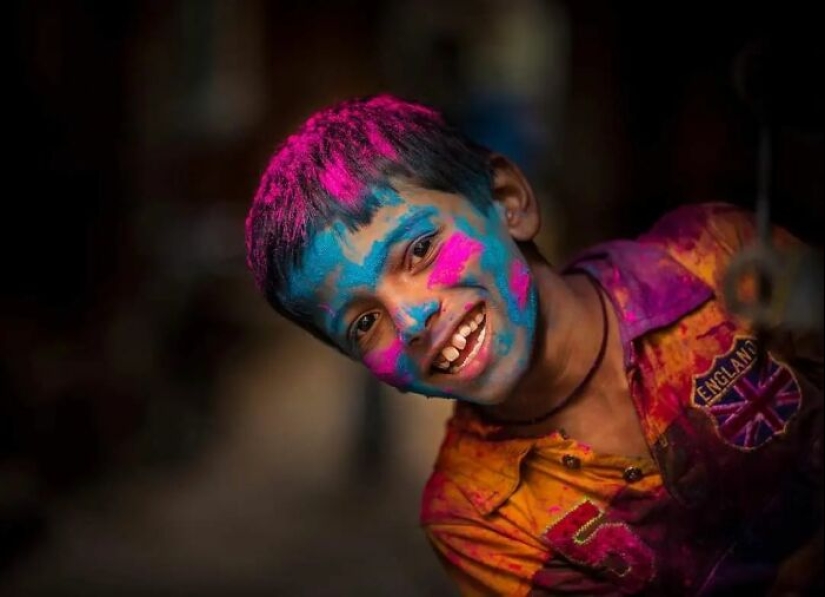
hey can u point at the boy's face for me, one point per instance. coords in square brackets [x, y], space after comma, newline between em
[433, 295]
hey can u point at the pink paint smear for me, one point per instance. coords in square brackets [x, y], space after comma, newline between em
[519, 282]
[452, 259]
[384, 363]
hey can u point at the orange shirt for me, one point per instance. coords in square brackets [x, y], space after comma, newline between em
[730, 488]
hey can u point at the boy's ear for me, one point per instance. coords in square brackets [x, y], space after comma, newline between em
[515, 201]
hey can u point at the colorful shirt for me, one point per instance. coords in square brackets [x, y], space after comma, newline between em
[730, 489]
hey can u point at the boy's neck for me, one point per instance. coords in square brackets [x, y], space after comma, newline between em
[569, 340]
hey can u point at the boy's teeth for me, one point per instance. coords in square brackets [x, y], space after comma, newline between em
[450, 353]
[459, 341]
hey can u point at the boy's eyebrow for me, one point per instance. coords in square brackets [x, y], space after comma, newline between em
[377, 259]
[406, 224]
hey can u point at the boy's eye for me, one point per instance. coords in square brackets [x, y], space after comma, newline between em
[364, 324]
[419, 250]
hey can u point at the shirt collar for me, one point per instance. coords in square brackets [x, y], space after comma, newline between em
[648, 288]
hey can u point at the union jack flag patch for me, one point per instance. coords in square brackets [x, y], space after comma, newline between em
[749, 402]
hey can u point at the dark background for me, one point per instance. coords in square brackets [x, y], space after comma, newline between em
[161, 431]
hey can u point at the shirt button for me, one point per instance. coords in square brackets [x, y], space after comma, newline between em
[571, 462]
[632, 474]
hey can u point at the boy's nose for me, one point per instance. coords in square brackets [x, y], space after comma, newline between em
[414, 320]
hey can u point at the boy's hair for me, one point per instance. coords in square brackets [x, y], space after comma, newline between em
[331, 169]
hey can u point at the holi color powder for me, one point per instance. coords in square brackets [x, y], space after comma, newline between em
[519, 282]
[452, 259]
[386, 364]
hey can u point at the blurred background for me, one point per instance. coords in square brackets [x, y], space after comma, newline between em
[162, 432]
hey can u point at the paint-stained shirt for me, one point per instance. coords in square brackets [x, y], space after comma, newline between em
[735, 436]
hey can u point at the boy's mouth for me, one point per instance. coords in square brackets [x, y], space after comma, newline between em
[463, 345]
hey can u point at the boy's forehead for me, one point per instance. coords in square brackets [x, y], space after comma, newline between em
[356, 244]
[396, 207]
[339, 254]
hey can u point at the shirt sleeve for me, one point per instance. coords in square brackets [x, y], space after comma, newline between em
[705, 237]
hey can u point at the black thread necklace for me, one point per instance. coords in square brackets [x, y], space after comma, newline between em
[572, 395]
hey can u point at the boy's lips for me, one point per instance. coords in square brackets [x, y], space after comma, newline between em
[462, 345]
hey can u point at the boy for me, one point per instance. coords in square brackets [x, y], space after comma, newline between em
[615, 431]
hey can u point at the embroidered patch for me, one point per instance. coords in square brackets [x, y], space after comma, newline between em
[586, 537]
[749, 403]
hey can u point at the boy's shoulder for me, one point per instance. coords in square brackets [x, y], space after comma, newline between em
[703, 237]
[700, 237]
[712, 226]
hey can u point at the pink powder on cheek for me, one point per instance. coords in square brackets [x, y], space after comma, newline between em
[452, 259]
[385, 363]
[519, 282]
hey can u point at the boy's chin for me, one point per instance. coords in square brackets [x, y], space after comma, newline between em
[485, 398]
[481, 392]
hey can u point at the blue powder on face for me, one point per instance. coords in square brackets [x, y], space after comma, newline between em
[326, 263]
[496, 259]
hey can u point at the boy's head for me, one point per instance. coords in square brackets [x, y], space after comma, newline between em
[385, 232]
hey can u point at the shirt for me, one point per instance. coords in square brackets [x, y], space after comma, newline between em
[731, 486]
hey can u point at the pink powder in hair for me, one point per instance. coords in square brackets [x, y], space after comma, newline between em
[335, 149]
[340, 182]
[519, 282]
[379, 141]
[452, 259]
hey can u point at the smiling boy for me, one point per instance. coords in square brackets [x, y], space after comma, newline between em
[614, 431]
